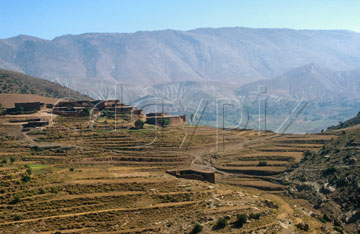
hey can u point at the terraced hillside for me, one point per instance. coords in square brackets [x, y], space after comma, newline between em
[259, 156]
[86, 176]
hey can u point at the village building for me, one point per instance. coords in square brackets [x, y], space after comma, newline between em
[171, 120]
[26, 108]
[82, 108]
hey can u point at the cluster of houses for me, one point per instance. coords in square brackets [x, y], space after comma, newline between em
[97, 107]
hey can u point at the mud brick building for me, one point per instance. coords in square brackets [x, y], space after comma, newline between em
[173, 120]
[26, 108]
[81, 108]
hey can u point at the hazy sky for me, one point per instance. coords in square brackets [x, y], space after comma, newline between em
[51, 18]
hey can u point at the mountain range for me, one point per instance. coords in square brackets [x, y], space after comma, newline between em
[232, 55]
[320, 66]
[309, 82]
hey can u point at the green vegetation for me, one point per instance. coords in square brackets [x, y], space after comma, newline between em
[339, 229]
[262, 164]
[37, 166]
[321, 219]
[327, 218]
[197, 229]
[12, 159]
[221, 223]
[28, 171]
[241, 220]
[329, 171]
[17, 218]
[87, 111]
[164, 122]
[16, 200]
[139, 124]
[303, 226]
[26, 178]
[254, 216]
[14, 82]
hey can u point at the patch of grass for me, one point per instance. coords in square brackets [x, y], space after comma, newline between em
[37, 166]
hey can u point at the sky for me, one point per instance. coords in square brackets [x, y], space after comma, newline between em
[51, 18]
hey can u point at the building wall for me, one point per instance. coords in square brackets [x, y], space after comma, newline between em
[173, 120]
[29, 106]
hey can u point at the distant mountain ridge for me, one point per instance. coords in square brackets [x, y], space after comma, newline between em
[309, 82]
[231, 55]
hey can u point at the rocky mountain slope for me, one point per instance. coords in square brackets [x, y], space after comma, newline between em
[330, 178]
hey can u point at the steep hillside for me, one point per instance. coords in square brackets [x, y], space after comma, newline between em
[14, 82]
[235, 55]
[330, 179]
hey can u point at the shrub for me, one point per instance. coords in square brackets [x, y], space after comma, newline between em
[321, 219]
[71, 169]
[26, 178]
[86, 111]
[15, 200]
[262, 164]
[164, 122]
[54, 190]
[339, 229]
[329, 171]
[12, 159]
[42, 191]
[17, 217]
[327, 218]
[303, 226]
[139, 124]
[197, 229]
[221, 223]
[254, 216]
[4, 161]
[28, 171]
[241, 220]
